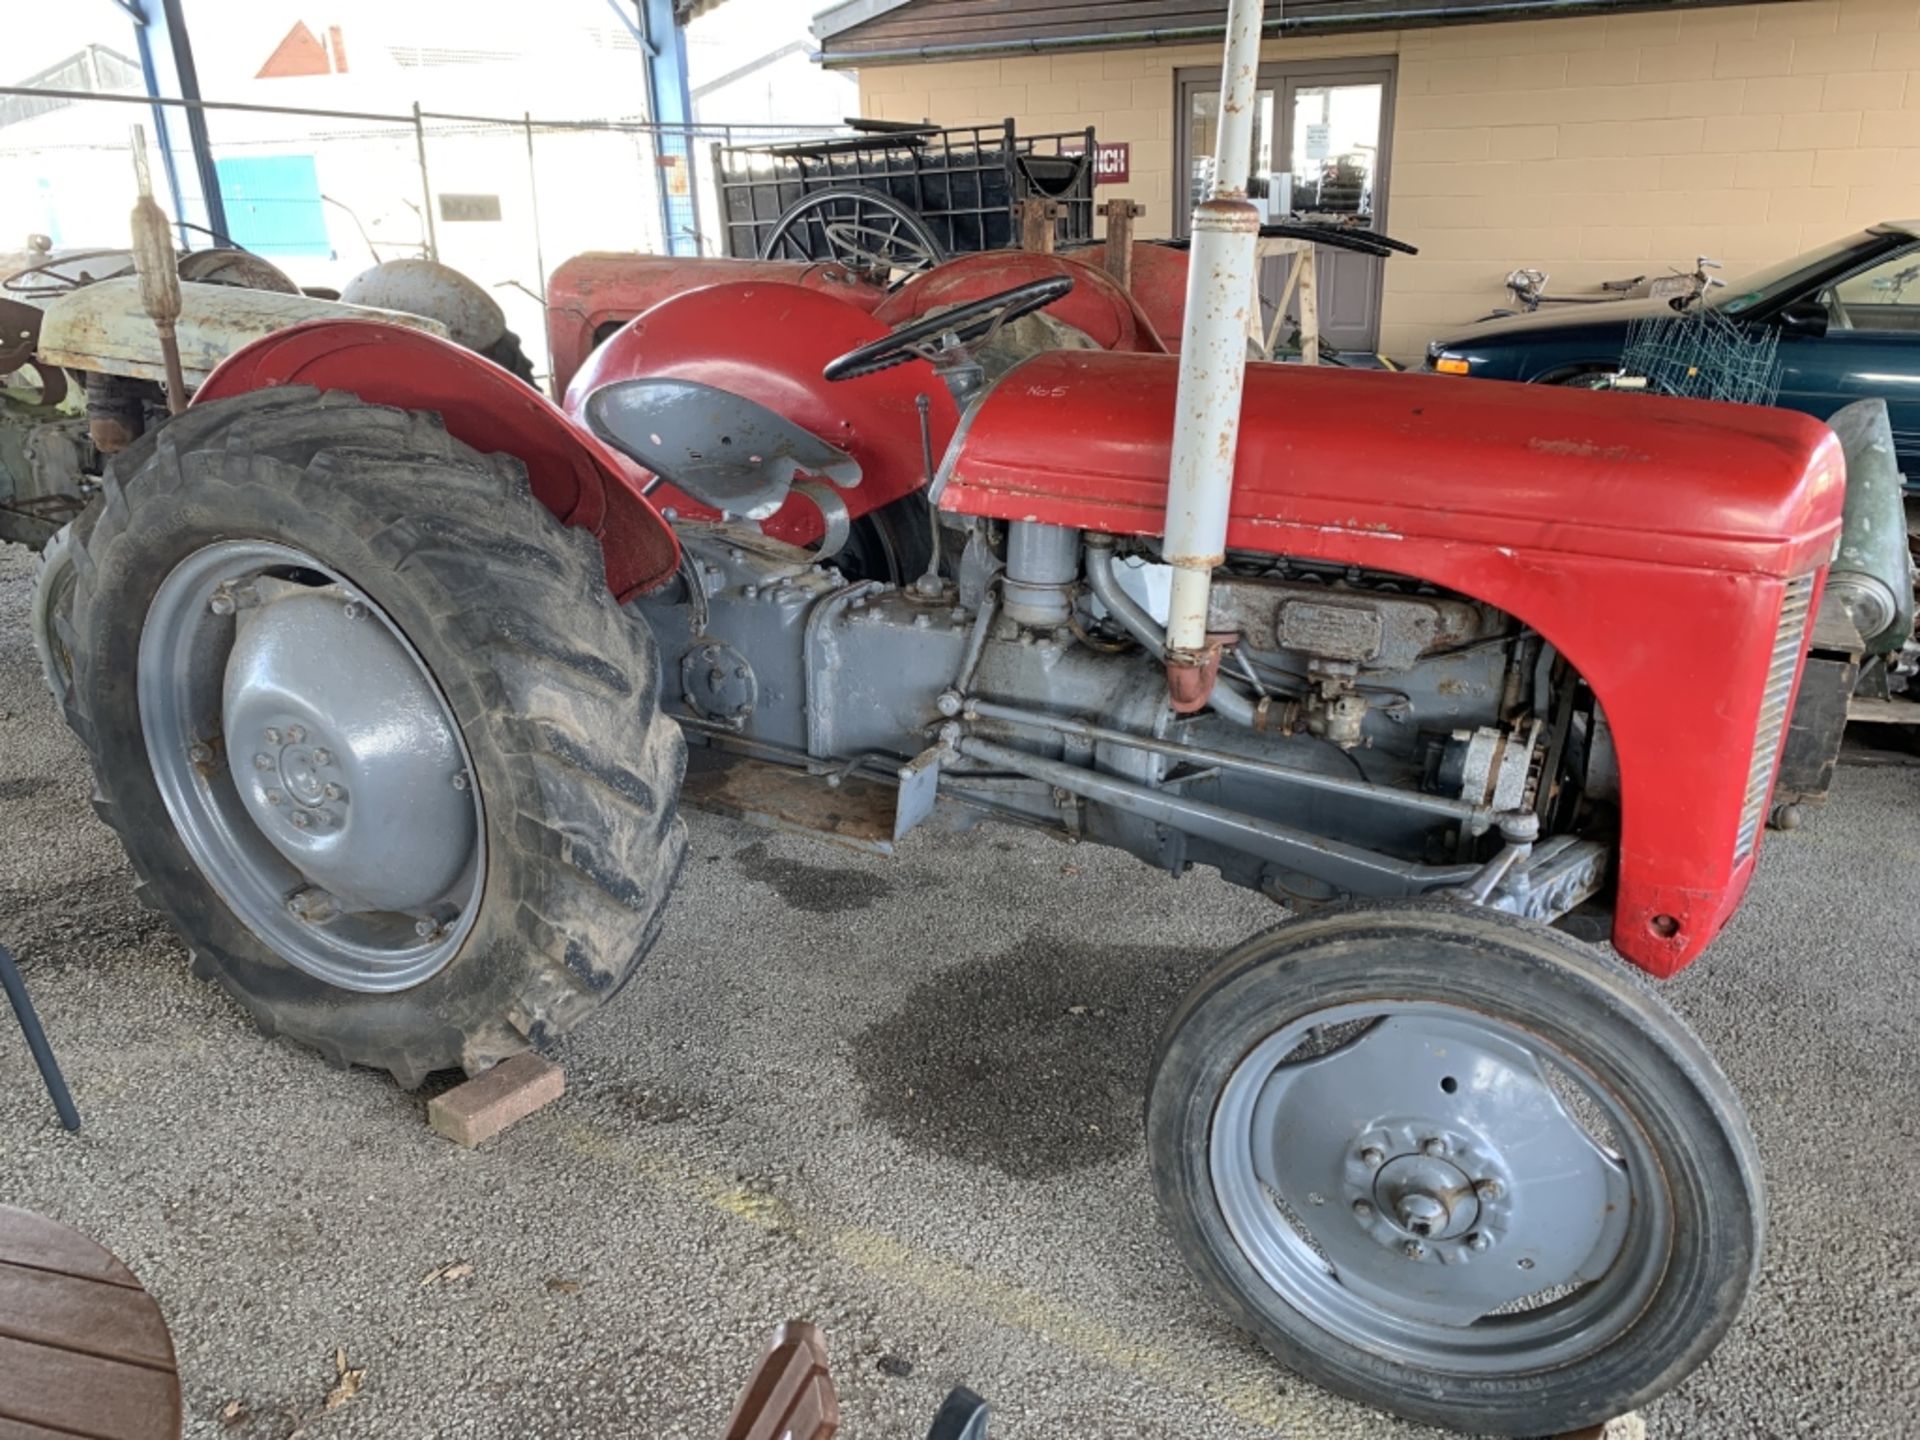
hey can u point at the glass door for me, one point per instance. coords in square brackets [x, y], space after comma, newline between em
[1334, 132]
[1322, 128]
[1203, 130]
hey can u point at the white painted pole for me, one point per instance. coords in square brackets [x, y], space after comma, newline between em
[1213, 359]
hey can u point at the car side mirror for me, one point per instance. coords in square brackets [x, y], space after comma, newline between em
[1805, 317]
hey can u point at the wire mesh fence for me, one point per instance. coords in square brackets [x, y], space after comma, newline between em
[325, 194]
[1701, 354]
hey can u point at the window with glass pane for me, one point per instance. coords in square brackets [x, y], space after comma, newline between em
[1203, 132]
[1336, 148]
[1886, 297]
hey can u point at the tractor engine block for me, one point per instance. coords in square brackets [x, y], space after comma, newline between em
[1385, 690]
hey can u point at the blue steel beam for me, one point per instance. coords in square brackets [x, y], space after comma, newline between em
[166, 63]
[670, 105]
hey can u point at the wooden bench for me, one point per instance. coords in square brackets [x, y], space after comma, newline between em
[83, 1348]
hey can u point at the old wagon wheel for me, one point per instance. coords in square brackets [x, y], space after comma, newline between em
[868, 232]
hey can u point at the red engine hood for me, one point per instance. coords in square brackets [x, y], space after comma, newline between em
[1650, 540]
[1082, 438]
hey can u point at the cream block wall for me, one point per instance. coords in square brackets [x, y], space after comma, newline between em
[1593, 148]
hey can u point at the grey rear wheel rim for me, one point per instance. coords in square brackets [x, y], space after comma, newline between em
[342, 824]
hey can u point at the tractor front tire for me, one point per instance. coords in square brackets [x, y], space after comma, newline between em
[469, 597]
[1456, 1165]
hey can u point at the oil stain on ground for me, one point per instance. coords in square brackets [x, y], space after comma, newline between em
[819, 889]
[1033, 1061]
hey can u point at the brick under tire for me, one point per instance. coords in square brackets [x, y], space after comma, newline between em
[553, 688]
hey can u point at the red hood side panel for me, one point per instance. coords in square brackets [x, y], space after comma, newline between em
[1648, 539]
[1526, 467]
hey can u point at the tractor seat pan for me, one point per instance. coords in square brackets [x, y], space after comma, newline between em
[722, 449]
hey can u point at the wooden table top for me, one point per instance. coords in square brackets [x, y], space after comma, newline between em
[83, 1348]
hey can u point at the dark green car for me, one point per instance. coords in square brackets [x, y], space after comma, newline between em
[1848, 317]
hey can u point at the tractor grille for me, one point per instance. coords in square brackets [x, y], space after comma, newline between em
[1788, 643]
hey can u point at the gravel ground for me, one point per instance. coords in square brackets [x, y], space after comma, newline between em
[898, 1097]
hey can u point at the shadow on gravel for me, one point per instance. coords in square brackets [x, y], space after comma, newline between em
[1033, 1062]
[77, 920]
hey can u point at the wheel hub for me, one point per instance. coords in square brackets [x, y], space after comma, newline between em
[1430, 1183]
[343, 828]
[343, 755]
[1429, 1199]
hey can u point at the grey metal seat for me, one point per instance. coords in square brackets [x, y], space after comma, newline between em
[721, 448]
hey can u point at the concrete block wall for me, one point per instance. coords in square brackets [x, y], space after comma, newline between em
[1594, 147]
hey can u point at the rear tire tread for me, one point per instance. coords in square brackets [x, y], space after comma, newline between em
[578, 871]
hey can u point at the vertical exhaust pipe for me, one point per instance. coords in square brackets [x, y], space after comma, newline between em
[1213, 363]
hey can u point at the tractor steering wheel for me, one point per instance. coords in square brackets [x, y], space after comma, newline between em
[975, 320]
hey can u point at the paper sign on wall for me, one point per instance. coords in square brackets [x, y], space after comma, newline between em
[1319, 139]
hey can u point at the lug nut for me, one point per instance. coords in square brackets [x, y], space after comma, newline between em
[263, 762]
[334, 792]
[1413, 1249]
[323, 757]
[1362, 1210]
[199, 752]
[276, 797]
[1478, 1240]
[295, 734]
[1489, 1189]
[1373, 1157]
[301, 819]
[273, 735]
[1435, 1146]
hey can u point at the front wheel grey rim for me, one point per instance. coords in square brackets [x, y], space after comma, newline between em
[1440, 1188]
[311, 765]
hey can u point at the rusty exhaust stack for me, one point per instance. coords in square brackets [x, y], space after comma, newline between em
[159, 271]
[1213, 362]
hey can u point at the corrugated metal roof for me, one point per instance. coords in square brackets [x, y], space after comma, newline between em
[97, 68]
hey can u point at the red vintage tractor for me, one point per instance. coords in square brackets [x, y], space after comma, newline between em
[388, 668]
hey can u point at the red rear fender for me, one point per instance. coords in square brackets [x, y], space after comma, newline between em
[575, 476]
[769, 342]
[1096, 304]
[591, 292]
[1159, 289]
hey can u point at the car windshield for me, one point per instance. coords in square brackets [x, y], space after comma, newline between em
[1775, 280]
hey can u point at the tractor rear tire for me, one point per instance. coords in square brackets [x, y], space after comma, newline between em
[52, 608]
[551, 687]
